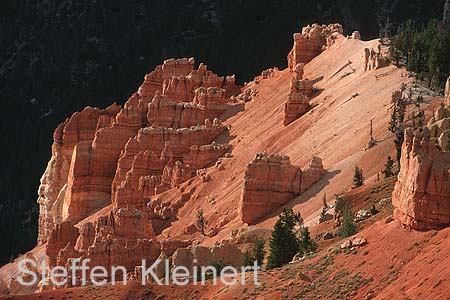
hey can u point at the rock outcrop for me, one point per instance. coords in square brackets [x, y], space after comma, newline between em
[272, 181]
[374, 60]
[298, 98]
[113, 161]
[311, 42]
[421, 195]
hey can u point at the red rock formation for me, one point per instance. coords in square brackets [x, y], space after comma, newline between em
[155, 140]
[298, 98]
[421, 195]
[311, 42]
[61, 235]
[123, 157]
[81, 127]
[271, 181]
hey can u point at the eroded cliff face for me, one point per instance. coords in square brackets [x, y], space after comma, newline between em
[272, 181]
[311, 42]
[120, 155]
[422, 193]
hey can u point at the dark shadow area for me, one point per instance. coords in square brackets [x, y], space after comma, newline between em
[233, 110]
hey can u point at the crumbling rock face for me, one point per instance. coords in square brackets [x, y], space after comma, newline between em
[311, 42]
[298, 98]
[421, 195]
[109, 164]
[92, 147]
[271, 181]
[81, 127]
[61, 235]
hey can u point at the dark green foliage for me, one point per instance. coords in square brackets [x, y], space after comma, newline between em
[218, 265]
[283, 244]
[425, 51]
[373, 210]
[348, 227]
[397, 123]
[358, 177]
[257, 253]
[388, 168]
[323, 215]
[307, 245]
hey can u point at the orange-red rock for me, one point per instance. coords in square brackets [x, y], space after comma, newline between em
[421, 195]
[311, 42]
[81, 127]
[271, 181]
[298, 99]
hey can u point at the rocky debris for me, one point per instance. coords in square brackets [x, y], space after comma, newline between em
[353, 243]
[384, 201]
[245, 96]
[311, 42]
[298, 98]
[271, 181]
[374, 60]
[421, 196]
[268, 73]
[362, 215]
[229, 254]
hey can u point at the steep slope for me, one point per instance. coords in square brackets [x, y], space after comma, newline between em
[336, 129]
[135, 181]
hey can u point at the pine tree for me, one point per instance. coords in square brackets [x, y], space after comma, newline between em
[306, 243]
[388, 168]
[348, 227]
[283, 244]
[358, 177]
[257, 254]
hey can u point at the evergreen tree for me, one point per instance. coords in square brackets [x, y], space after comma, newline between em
[388, 168]
[283, 244]
[358, 177]
[257, 253]
[348, 227]
[306, 243]
[396, 125]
